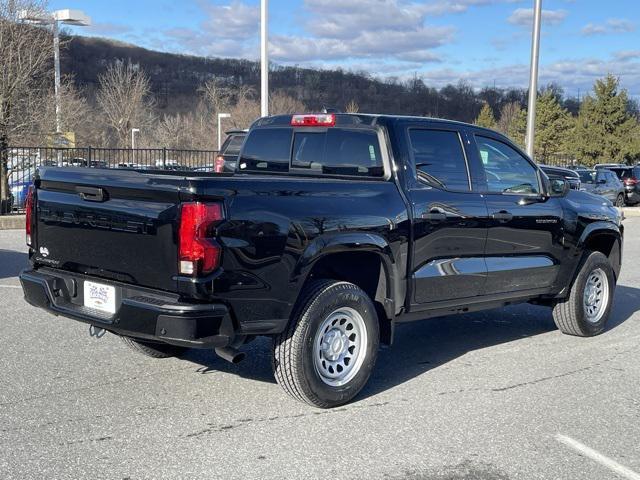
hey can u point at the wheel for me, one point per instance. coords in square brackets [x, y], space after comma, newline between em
[586, 310]
[620, 201]
[152, 349]
[326, 354]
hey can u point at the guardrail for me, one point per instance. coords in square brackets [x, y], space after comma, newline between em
[22, 162]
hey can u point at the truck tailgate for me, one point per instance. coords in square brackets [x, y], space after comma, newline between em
[118, 225]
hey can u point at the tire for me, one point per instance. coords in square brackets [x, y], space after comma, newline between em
[316, 359]
[574, 315]
[620, 201]
[152, 349]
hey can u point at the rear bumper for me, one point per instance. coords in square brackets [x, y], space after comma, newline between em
[141, 313]
[633, 196]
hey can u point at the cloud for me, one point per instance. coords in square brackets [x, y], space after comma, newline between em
[524, 17]
[611, 26]
[625, 55]
[235, 20]
[572, 74]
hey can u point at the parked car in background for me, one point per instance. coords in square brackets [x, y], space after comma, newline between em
[570, 176]
[629, 177]
[608, 165]
[227, 159]
[605, 183]
[19, 181]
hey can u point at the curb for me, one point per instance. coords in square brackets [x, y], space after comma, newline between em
[631, 212]
[12, 222]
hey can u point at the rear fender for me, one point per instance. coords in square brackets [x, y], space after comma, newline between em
[353, 242]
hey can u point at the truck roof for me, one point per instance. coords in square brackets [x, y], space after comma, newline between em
[371, 119]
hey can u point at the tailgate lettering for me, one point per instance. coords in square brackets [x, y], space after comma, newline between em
[117, 223]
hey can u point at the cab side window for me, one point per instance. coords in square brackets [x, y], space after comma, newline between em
[507, 171]
[439, 156]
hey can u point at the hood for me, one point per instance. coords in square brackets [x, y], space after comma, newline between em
[592, 207]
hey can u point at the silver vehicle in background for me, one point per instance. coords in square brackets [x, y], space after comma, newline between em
[605, 183]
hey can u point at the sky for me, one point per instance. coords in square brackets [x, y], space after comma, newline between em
[483, 42]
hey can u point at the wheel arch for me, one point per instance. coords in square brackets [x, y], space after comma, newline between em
[606, 238]
[365, 260]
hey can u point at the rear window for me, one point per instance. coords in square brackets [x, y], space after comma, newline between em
[587, 176]
[624, 173]
[332, 151]
[338, 152]
[233, 144]
[267, 149]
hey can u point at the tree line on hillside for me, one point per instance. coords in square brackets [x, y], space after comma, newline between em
[602, 131]
[111, 87]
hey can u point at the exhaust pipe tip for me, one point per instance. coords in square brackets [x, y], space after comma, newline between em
[230, 354]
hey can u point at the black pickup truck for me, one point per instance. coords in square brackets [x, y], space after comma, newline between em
[333, 229]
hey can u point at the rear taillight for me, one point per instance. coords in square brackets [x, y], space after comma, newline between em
[218, 165]
[631, 181]
[198, 252]
[29, 214]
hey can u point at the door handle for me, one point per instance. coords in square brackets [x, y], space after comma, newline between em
[434, 215]
[502, 216]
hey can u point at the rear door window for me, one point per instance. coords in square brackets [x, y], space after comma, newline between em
[439, 154]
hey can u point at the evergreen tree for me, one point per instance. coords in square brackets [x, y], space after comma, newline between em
[553, 126]
[605, 131]
[486, 118]
[513, 122]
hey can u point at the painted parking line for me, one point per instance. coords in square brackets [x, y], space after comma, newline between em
[612, 465]
[10, 286]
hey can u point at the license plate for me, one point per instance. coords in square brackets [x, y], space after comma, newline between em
[99, 296]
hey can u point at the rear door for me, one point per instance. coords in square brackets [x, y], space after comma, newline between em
[448, 228]
[524, 238]
[118, 225]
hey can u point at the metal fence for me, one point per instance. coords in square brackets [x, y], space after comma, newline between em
[22, 162]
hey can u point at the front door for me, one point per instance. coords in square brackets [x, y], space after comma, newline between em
[448, 229]
[524, 238]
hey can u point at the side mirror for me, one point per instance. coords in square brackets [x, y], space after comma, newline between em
[559, 187]
[602, 181]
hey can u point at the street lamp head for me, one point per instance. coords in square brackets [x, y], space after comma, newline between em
[135, 130]
[72, 17]
[224, 115]
[67, 16]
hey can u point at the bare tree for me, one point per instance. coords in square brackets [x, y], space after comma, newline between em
[281, 103]
[352, 107]
[124, 98]
[25, 53]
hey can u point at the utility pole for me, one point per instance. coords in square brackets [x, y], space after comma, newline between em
[533, 79]
[264, 58]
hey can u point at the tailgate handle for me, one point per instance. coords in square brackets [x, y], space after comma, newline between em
[91, 194]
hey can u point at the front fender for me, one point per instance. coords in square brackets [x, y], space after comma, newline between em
[605, 228]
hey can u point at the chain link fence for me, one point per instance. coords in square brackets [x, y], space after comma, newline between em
[19, 164]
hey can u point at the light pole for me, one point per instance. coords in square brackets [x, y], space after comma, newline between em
[133, 142]
[133, 137]
[264, 58]
[220, 117]
[67, 17]
[533, 79]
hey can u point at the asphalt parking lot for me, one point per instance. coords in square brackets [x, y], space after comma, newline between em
[494, 395]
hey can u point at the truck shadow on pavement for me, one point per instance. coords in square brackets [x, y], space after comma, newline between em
[422, 346]
[12, 262]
